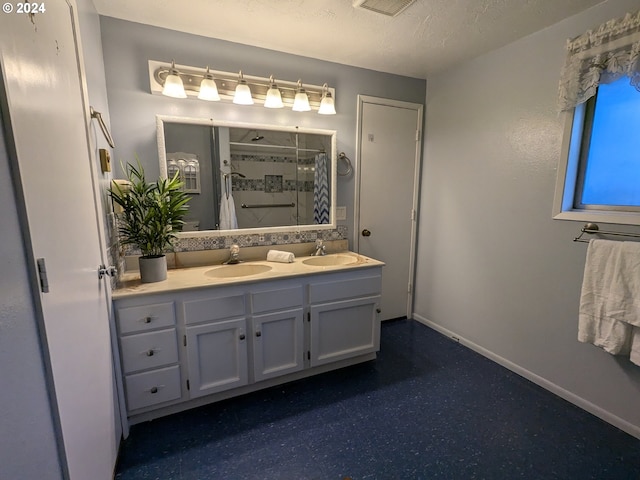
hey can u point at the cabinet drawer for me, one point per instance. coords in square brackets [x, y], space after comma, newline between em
[151, 388]
[149, 350]
[208, 309]
[145, 317]
[280, 299]
[341, 289]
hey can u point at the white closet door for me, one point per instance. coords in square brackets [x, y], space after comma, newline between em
[47, 117]
[389, 158]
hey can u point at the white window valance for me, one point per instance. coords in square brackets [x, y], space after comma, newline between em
[601, 56]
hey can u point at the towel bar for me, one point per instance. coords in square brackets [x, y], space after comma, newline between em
[244, 205]
[592, 228]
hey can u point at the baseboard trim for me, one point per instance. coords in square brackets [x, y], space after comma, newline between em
[599, 412]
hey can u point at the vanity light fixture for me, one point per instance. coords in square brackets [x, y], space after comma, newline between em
[301, 101]
[213, 85]
[173, 86]
[327, 105]
[243, 92]
[274, 98]
[208, 88]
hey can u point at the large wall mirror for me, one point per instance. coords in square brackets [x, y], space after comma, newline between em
[252, 177]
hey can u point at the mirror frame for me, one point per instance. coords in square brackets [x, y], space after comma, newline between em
[162, 158]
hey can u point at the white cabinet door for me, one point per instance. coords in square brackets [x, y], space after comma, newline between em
[217, 356]
[277, 344]
[344, 329]
[47, 115]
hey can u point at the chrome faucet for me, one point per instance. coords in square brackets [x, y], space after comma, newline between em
[234, 255]
[320, 249]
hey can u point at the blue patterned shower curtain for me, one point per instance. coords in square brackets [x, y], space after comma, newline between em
[321, 190]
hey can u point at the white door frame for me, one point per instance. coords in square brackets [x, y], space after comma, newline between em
[362, 99]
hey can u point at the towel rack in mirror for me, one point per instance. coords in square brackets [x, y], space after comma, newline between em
[592, 228]
[272, 205]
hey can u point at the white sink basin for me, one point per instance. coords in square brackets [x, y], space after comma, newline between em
[241, 270]
[331, 260]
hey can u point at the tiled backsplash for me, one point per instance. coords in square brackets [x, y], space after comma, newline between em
[209, 242]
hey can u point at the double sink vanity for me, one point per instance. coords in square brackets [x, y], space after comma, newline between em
[213, 332]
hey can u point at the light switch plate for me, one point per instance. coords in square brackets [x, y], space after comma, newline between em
[341, 213]
[105, 160]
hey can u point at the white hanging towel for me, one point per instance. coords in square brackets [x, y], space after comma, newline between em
[228, 219]
[610, 299]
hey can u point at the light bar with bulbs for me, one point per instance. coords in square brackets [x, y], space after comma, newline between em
[181, 81]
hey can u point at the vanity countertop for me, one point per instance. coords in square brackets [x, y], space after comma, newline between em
[200, 277]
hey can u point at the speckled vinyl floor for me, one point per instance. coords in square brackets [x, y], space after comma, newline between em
[427, 408]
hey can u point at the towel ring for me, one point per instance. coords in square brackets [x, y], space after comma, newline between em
[342, 156]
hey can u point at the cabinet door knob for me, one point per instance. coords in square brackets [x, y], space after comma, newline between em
[366, 233]
[147, 319]
[242, 336]
[378, 310]
[150, 353]
[258, 333]
[154, 390]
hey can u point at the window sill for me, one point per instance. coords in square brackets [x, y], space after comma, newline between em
[600, 216]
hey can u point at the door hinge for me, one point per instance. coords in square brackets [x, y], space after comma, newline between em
[42, 274]
[413, 214]
[308, 316]
[184, 340]
[418, 134]
[309, 354]
[188, 385]
[410, 287]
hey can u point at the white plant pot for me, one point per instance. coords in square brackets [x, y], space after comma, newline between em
[153, 269]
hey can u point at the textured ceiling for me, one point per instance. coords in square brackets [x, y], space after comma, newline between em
[428, 37]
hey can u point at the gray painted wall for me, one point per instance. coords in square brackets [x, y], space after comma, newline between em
[492, 265]
[129, 46]
[27, 444]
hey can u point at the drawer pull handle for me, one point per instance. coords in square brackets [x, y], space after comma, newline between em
[147, 319]
[258, 333]
[150, 353]
[154, 390]
[242, 336]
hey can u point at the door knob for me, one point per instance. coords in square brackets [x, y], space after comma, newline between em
[366, 233]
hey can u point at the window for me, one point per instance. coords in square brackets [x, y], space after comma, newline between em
[599, 171]
[608, 155]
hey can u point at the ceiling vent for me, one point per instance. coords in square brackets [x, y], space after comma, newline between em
[390, 8]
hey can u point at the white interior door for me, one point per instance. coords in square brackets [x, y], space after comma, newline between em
[46, 113]
[389, 146]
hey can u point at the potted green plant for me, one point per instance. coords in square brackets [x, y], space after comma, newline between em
[152, 214]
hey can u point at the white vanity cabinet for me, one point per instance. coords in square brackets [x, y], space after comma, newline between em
[216, 341]
[189, 347]
[344, 317]
[277, 331]
[149, 353]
